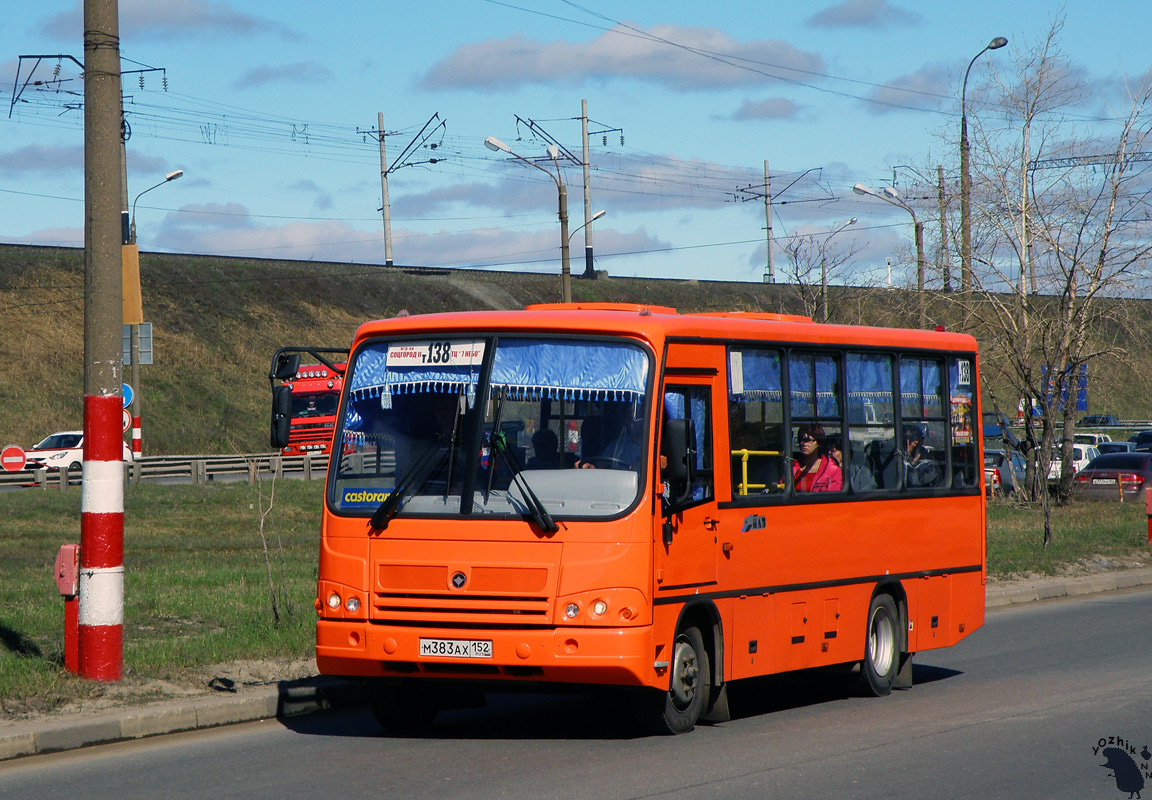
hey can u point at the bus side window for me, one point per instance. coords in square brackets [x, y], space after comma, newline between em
[816, 410]
[874, 460]
[962, 423]
[924, 437]
[755, 422]
[693, 403]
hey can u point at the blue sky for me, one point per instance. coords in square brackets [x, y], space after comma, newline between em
[270, 110]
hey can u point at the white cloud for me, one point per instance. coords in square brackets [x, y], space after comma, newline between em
[229, 230]
[54, 237]
[679, 59]
[300, 72]
[771, 108]
[875, 14]
[43, 159]
[170, 19]
[924, 88]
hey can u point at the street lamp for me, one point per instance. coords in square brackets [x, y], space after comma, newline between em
[492, 143]
[965, 177]
[824, 269]
[171, 176]
[890, 195]
[134, 327]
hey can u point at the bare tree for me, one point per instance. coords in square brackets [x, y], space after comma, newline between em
[813, 262]
[1059, 244]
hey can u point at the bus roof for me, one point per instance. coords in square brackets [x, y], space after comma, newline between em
[657, 323]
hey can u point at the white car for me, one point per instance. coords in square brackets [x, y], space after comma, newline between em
[1081, 455]
[63, 449]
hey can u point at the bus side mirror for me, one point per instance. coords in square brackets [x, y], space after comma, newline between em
[287, 365]
[679, 448]
[281, 415]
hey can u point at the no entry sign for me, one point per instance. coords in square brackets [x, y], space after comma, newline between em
[12, 458]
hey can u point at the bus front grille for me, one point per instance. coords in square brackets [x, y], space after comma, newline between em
[461, 608]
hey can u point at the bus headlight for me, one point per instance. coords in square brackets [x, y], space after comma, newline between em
[352, 604]
[603, 607]
[334, 601]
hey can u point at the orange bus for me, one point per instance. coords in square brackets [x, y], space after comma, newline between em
[622, 495]
[308, 398]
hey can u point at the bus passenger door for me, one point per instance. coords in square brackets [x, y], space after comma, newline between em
[685, 557]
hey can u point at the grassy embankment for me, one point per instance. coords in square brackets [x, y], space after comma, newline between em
[216, 322]
[200, 579]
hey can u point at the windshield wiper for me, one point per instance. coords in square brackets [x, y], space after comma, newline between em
[416, 475]
[535, 507]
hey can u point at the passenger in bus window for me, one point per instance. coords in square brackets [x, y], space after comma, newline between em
[813, 471]
[545, 450]
[859, 476]
[920, 469]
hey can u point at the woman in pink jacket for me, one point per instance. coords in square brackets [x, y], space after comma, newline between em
[814, 471]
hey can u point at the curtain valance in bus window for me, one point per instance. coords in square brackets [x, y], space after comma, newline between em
[920, 388]
[754, 375]
[535, 369]
[869, 378]
[813, 377]
[407, 367]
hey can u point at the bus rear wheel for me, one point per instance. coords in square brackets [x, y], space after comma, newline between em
[678, 709]
[882, 647]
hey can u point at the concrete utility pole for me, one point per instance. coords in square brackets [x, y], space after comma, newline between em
[101, 600]
[589, 270]
[945, 258]
[770, 275]
[385, 210]
[752, 192]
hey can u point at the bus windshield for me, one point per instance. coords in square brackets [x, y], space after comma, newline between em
[506, 426]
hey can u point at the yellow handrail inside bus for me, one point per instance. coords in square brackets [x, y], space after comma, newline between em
[744, 486]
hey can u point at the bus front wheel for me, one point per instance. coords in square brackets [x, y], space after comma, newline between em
[678, 709]
[882, 647]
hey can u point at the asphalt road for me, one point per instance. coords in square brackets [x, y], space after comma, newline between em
[1012, 712]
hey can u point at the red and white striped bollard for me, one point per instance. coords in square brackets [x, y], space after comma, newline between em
[101, 612]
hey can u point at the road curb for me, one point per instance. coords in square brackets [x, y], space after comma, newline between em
[304, 696]
[1030, 591]
[282, 700]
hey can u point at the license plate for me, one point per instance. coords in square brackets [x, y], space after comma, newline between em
[1103, 482]
[455, 648]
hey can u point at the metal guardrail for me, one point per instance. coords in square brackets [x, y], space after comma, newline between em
[188, 469]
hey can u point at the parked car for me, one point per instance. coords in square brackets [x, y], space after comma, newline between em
[1082, 454]
[1107, 476]
[1141, 439]
[62, 449]
[1116, 447]
[1098, 421]
[1091, 438]
[1003, 471]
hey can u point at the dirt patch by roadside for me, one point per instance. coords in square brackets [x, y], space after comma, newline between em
[219, 679]
[1085, 566]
